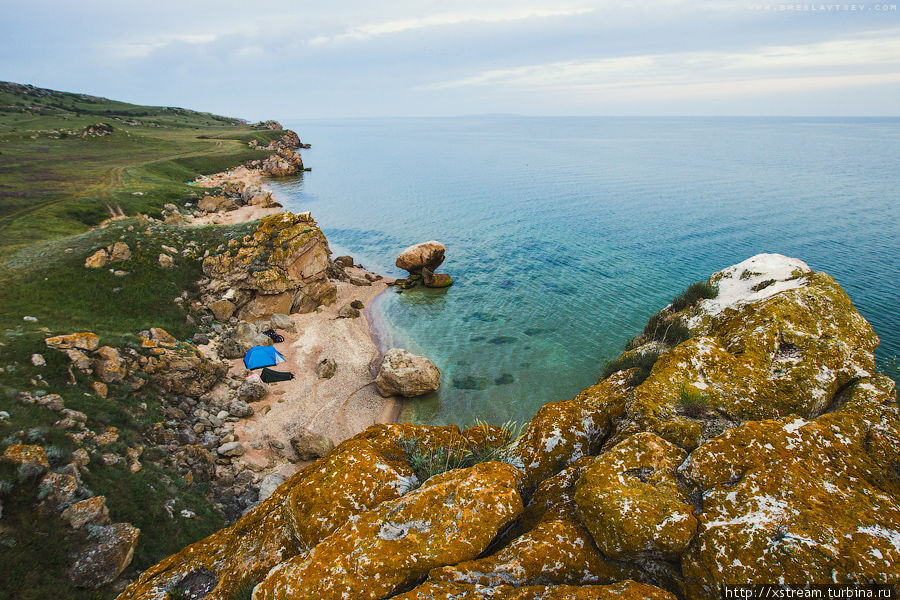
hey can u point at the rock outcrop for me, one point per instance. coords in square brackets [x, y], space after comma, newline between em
[427, 255]
[281, 267]
[760, 446]
[402, 373]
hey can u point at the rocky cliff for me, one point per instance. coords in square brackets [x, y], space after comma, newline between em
[281, 267]
[743, 437]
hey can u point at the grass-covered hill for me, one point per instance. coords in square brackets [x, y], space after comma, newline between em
[66, 159]
[67, 162]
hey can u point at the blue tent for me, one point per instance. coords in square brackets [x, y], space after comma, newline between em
[262, 356]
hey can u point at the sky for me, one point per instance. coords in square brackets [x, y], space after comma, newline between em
[372, 58]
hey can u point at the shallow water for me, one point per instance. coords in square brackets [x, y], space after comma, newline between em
[564, 235]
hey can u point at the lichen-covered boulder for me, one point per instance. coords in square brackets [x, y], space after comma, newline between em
[109, 366]
[630, 502]
[778, 339]
[88, 511]
[554, 497]
[625, 590]
[402, 373]
[559, 551]
[427, 255]
[177, 367]
[562, 432]
[451, 518]
[26, 454]
[85, 340]
[799, 501]
[110, 549]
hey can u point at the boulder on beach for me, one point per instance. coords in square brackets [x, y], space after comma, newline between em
[427, 255]
[404, 374]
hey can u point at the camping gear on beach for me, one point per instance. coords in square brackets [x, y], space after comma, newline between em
[258, 357]
[270, 376]
[273, 336]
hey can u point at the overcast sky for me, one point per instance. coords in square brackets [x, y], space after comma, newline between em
[356, 58]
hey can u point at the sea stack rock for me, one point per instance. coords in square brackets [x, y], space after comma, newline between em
[404, 374]
[421, 260]
[427, 255]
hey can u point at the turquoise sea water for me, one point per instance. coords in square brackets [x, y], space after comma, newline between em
[564, 235]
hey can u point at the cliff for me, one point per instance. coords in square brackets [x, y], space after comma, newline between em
[745, 436]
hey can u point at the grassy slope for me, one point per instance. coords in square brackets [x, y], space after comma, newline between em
[54, 187]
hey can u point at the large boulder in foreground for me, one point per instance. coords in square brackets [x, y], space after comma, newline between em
[427, 255]
[404, 374]
[453, 517]
[626, 590]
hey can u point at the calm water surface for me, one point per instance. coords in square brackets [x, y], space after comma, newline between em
[564, 234]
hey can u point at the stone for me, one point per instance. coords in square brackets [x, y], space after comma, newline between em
[177, 367]
[51, 402]
[436, 280]
[230, 449]
[222, 310]
[360, 281]
[98, 259]
[630, 501]
[166, 261]
[58, 489]
[357, 304]
[404, 374]
[110, 366]
[119, 252]
[313, 296]
[400, 541]
[240, 409]
[344, 261]
[310, 445]
[26, 454]
[38, 360]
[109, 551]
[625, 590]
[326, 368]
[556, 552]
[100, 389]
[89, 511]
[252, 390]
[269, 484]
[427, 255]
[282, 322]
[348, 312]
[82, 341]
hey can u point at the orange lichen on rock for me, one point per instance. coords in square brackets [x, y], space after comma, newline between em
[795, 500]
[625, 590]
[451, 518]
[556, 552]
[25, 454]
[630, 502]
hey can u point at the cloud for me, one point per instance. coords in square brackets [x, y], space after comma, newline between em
[868, 60]
[143, 47]
[371, 30]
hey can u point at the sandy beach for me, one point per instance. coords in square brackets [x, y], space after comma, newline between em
[336, 408]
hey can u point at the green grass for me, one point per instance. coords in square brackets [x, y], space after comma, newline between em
[642, 362]
[694, 293]
[53, 187]
[428, 461]
[693, 403]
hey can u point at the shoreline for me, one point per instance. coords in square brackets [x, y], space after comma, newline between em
[336, 408]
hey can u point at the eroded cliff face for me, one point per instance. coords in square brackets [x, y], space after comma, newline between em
[279, 268]
[762, 448]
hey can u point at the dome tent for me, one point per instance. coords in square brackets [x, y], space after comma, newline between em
[258, 357]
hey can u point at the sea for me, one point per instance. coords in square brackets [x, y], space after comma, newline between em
[564, 234]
